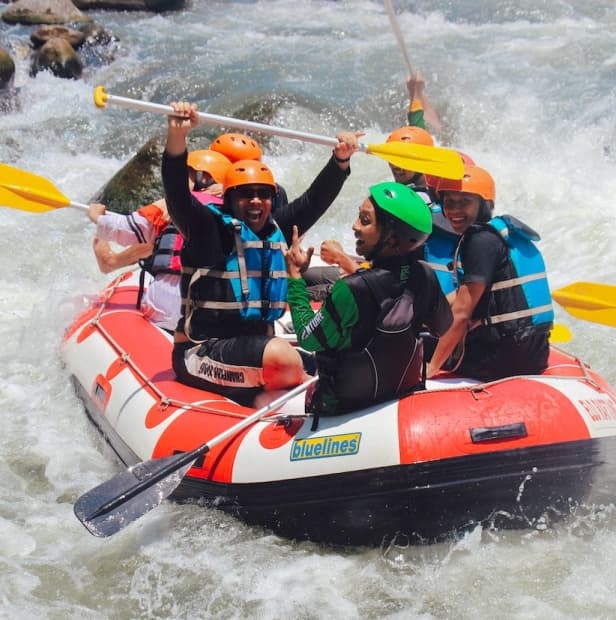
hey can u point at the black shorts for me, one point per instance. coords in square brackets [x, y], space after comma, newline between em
[320, 280]
[507, 358]
[232, 367]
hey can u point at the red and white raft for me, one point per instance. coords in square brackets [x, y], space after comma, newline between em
[519, 452]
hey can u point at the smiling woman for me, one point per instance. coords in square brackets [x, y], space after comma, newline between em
[502, 308]
[469, 199]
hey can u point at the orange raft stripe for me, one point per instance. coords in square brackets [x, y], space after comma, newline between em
[150, 351]
[437, 425]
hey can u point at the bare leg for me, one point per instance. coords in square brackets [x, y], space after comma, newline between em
[282, 365]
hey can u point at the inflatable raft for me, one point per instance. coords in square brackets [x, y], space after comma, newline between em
[516, 453]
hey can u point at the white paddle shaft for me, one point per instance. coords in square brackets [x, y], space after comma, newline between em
[226, 121]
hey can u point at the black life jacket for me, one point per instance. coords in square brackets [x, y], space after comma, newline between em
[389, 365]
[165, 257]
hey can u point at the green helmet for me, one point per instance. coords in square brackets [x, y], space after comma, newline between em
[412, 216]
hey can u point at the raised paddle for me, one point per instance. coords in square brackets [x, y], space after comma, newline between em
[589, 301]
[433, 160]
[111, 506]
[430, 114]
[29, 192]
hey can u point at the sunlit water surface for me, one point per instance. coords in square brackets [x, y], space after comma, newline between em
[526, 88]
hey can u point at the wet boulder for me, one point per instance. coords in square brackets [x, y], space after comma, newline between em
[137, 183]
[58, 56]
[92, 42]
[155, 6]
[9, 101]
[99, 46]
[45, 33]
[7, 69]
[32, 12]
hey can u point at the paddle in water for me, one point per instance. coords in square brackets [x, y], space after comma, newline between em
[433, 160]
[112, 505]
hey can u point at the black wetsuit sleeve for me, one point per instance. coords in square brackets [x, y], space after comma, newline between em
[199, 227]
[312, 204]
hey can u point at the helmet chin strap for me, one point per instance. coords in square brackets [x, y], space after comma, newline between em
[380, 244]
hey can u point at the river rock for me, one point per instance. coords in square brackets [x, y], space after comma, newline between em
[7, 69]
[58, 56]
[31, 12]
[99, 47]
[137, 183]
[45, 33]
[9, 100]
[155, 6]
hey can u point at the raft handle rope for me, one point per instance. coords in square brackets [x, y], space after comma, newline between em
[166, 402]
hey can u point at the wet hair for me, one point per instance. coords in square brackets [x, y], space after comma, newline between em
[486, 209]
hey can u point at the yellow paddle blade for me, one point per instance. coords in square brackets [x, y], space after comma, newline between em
[560, 333]
[589, 301]
[29, 192]
[433, 160]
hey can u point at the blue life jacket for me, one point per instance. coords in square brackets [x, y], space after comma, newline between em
[520, 298]
[249, 285]
[439, 249]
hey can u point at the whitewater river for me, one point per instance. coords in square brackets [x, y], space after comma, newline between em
[526, 87]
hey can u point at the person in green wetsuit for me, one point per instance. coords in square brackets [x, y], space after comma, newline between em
[366, 333]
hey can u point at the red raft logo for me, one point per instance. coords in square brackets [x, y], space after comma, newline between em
[599, 409]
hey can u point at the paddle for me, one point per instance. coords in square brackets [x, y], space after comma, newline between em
[29, 192]
[111, 506]
[589, 301]
[432, 160]
[560, 334]
[430, 114]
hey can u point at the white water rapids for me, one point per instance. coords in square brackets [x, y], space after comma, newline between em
[526, 88]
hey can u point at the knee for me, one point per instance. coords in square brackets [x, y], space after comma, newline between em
[282, 365]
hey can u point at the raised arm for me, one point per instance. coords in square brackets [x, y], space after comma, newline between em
[312, 204]
[182, 209]
[421, 110]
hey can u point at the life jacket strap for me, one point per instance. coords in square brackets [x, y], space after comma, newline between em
[520, 314]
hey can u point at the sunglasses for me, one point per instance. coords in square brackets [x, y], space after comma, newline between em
[248, 193]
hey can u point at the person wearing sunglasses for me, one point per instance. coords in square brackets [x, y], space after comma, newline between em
[236, 146]
[234, 284]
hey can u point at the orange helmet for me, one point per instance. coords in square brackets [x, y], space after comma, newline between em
[476, 180]
[467, 160]
[248, 172]
[237, 146]
[416, 135]
[206, 160]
